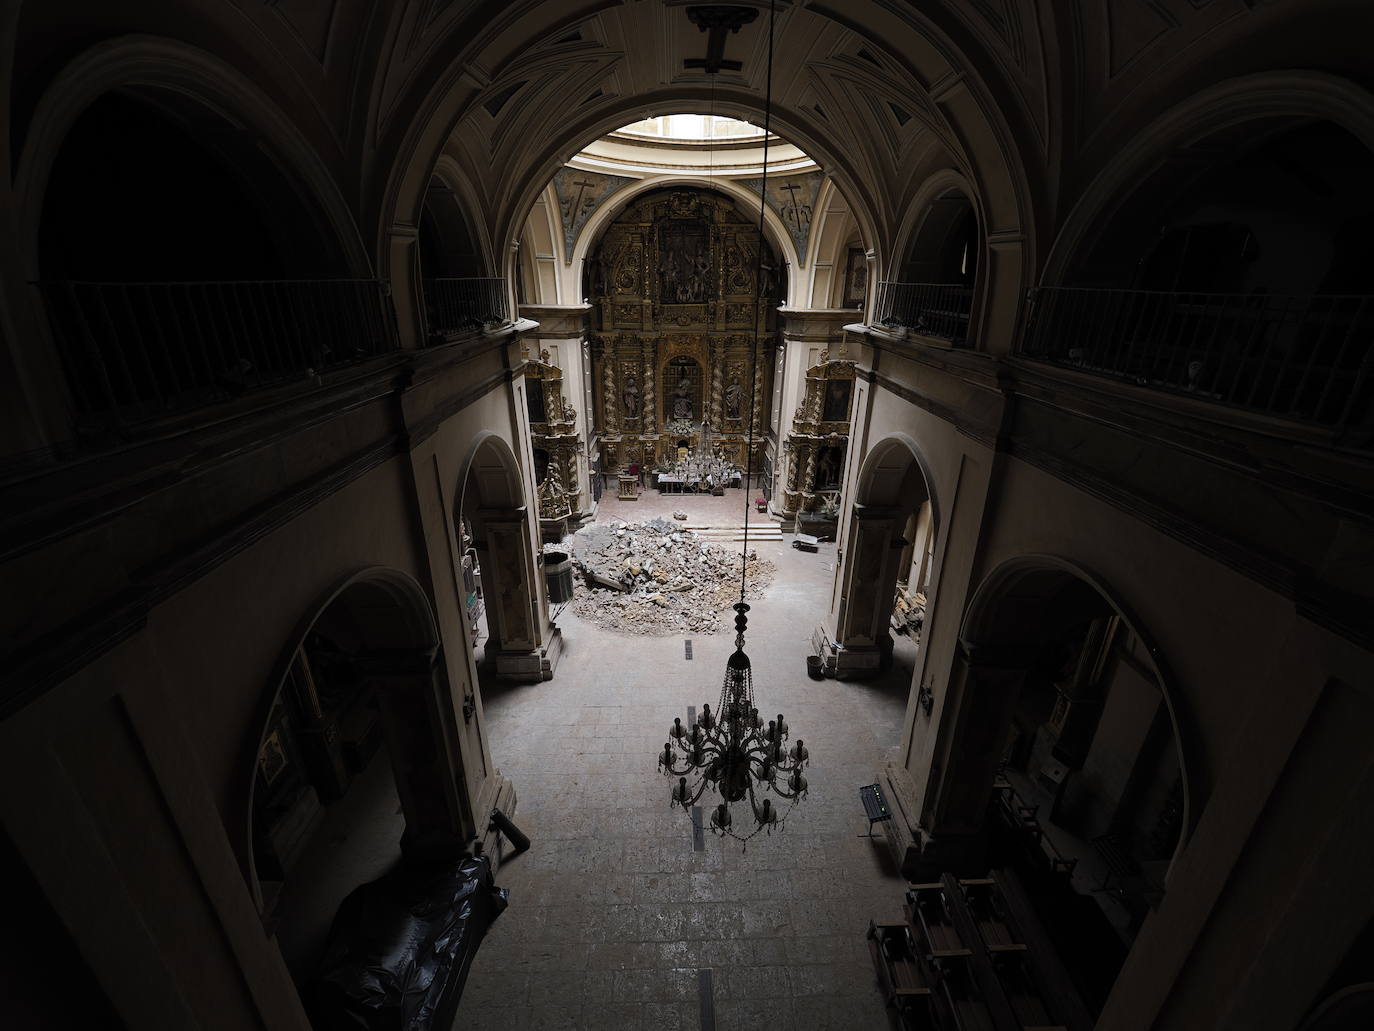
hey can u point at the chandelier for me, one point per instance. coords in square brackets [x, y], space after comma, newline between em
[731, 750]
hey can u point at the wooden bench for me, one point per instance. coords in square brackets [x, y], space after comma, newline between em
[875, 807]
[903, 977]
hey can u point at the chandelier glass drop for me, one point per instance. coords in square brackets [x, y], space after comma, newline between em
[732, 750]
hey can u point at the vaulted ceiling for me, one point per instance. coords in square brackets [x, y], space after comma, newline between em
[1024, 100]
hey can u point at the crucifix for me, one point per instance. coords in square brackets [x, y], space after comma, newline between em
[582, 187]
[717, 20]
[794, 209]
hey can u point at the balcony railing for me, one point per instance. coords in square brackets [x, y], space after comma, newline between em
[931, 309]
[462, 305]
[136, 351]
[1309, 358]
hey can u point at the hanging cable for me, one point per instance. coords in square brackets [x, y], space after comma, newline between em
[758, 298]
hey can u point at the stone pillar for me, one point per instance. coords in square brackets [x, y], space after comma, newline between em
[524, 645]
[422, 740]
[856, 640]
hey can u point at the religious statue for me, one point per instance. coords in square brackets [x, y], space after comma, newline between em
[829, 468]
[682, 400]
[734, 394]
[631, 398]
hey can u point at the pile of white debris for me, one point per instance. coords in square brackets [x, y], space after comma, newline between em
[655, 578]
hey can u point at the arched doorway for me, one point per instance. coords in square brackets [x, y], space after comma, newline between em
[886, 537]
[357, 760]
[1060, 757]
[498, 545]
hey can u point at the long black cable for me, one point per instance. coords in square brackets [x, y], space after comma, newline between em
[758, 299]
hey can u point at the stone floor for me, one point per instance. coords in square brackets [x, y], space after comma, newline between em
[612, 913]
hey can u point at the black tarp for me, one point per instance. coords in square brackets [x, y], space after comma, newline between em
[400, 948]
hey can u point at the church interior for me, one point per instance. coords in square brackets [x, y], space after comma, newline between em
[571, 515]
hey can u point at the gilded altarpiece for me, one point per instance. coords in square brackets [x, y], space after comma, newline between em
[555, 442]
[817, 445]
[673, 284]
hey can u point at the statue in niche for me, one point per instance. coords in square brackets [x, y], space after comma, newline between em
[828, 469]
[682, 400]
[734, 394]
[631, 397]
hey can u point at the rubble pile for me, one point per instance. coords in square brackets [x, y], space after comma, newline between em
[655, 578]
[908, 611]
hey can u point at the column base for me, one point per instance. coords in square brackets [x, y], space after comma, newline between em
[850, 662]
[531, 666]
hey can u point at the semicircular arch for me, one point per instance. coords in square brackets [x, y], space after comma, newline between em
[153, 62]
[1251, 100]
[1032, 576]
[494, 472]
[400, 618]
[774, 231]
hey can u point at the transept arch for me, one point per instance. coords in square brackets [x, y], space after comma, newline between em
[906, 54]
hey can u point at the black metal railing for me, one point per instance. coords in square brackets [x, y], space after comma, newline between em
[142, 350]
[931, 309]
[1301, 357]
[462, 305]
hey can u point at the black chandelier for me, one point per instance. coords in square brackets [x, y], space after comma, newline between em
[731, 750]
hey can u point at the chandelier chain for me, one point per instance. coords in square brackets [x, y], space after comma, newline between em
[758, 299]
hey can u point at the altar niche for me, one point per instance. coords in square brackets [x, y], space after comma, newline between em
[682, 395]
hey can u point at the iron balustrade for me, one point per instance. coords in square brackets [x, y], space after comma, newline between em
[931, 309]
[1309, 358]
[462, 305]
[136, 351]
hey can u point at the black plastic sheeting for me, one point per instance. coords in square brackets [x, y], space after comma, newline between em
[400, 948]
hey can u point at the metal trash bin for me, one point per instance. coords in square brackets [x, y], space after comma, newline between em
[558, 572]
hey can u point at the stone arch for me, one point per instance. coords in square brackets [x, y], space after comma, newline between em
[894, 453]
[890, 491]
[1262, 102]
[774, 230]
[400, 208]
[493, 470]
[943, 241]
[1011, 613]
[144, 62]
[923, 63]
[491, 500]
[834, 231]
[446, 234]
[399, 643]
